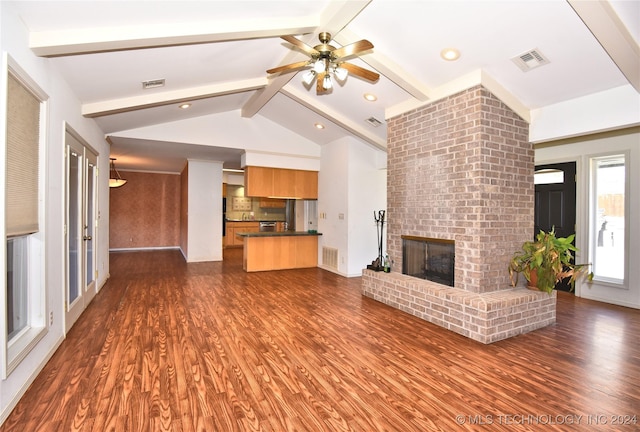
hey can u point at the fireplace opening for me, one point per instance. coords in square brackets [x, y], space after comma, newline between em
[429, 258]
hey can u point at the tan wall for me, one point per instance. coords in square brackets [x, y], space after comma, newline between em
[145, 212]
[184, 207]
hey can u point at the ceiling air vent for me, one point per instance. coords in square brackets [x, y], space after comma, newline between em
[530, 60]
[153, 83]
[373, 121]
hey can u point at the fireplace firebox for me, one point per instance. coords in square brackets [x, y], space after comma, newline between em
[429, 258]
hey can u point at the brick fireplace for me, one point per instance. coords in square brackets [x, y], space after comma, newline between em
[461, 170]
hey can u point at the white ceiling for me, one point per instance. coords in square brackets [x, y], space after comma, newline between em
[215, 54]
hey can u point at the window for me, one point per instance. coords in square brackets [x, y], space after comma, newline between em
[17, 279]
[548, 176]
[608, 218]
[24, 299]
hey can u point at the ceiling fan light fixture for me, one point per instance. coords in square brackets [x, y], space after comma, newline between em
[341, 73]
[327, 62]
[319, 66]
[326, 82]
[308, 76]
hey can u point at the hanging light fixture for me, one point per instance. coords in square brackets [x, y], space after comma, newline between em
[329, 67]
[340, 73]
[325, 65]
[115, 180]
[327, 62]
[326, 82]
[309, 76]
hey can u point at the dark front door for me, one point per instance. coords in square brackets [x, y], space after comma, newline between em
[556, 201]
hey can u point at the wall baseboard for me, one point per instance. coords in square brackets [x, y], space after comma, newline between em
[144, 249]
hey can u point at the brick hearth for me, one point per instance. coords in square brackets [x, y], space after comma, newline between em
[461, 169]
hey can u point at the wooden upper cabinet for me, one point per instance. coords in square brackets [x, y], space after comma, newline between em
[272, 203]
[284, 183]
[258, 181]
[306, 184]
[279, 182]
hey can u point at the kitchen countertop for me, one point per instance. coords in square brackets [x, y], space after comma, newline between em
[255, 220]
[278, 234]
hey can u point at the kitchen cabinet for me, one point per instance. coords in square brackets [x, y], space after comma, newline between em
[280, 182]
[284, 182]
[234, 228]
[258, 181]
[272, 203]
[280, 252]
[306, 183]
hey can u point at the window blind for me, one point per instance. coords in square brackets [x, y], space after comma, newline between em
[23, 139]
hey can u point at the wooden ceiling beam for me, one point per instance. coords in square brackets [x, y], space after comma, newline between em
[106, 39]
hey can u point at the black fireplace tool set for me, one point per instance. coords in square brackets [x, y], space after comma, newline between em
[380, 263]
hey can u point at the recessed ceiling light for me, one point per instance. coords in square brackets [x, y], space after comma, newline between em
[319, 126]
[450, 54]
[184, 105]
[370, 97]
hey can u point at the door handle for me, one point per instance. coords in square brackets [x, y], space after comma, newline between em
[87, 238]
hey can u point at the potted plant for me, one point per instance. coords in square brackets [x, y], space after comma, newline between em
[547, 261]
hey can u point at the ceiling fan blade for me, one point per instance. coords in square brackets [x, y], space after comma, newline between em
[352, 49]
[319, 80]
[289, 67]
[303, 46]
[361, 72]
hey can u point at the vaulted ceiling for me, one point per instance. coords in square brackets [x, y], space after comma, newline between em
[214, 55]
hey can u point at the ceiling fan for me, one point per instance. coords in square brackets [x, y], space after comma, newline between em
[327, 60]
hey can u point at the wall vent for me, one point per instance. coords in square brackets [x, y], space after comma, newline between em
[330, 257]
[530, 60]
[153, 83]
[373, 121]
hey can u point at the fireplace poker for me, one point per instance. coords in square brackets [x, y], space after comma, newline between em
[379, 218]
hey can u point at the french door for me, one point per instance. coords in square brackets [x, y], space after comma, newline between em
[80, 227]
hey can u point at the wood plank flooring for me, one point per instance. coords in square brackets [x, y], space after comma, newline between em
[170, 346]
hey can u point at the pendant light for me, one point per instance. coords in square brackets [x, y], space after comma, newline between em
[115, 180]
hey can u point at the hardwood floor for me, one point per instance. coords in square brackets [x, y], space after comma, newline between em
[170, 346]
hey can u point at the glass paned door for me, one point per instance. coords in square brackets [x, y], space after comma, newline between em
[74, 159]
[80, 228]
[89, 222]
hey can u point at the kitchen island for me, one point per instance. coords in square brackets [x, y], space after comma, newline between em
[279, 250]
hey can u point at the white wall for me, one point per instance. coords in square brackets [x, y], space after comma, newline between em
[233, 178]
[612, 109]
[581, 150]
[63, 107]
[205, 211]
[333, 201]
[229, 129]
[351, 186]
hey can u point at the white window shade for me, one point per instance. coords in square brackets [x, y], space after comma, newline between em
[23, 137]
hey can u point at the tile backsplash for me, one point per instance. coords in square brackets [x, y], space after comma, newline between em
[239, 206]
